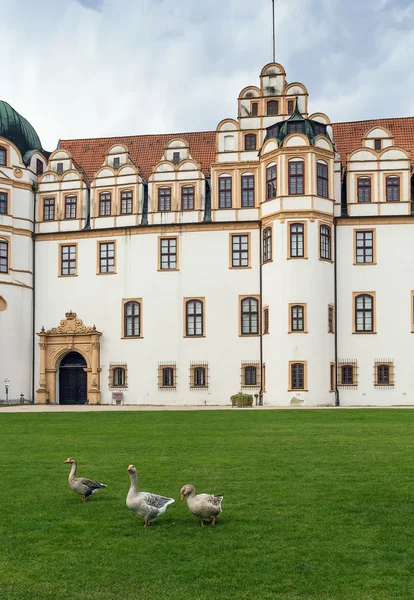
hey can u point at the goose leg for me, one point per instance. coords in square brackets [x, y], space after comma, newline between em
[213, 522]
[202, 522]
[83, 498]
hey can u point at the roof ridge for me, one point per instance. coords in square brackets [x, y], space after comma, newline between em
[370, 120]
[116, 137]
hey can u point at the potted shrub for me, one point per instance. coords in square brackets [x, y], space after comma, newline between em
[241, 400]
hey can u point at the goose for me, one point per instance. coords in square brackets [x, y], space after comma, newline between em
[147, 505]
[81, 485]
[206, 507]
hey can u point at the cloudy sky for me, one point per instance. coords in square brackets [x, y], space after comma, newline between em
[91, 68]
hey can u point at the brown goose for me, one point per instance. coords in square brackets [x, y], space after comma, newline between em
[81, 485]
[147, 505]
[204, 506]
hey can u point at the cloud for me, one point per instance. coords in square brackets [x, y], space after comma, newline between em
[154, 66]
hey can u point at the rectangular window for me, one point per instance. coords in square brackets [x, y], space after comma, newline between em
[176, 157]
[296, 127]
[347, 373]
[3, 157]
[68, 260]
[322, 179]
[126, 202]
[168, 377]
[70, 207]
[48, 209]
[297, 318]
[377, 144]
[105, 204]
[247, 189]
[297, 240]
[3, 203]
[364, 247]
[297, 376]
[118, 376]
[116, 162]
[164, 199]
[291, 106]
[393, 189]
[39, 166]
[250, 376]
[239, 250]
[187, 197]
[107, 257]
[296, 177]
[255, 109]
[331, 319]
[265, 320]
[271, 182]
[225, 192]
[267, 244]
[59, 168]
[4, 256]
[273, 107]
[332, 377]
[364, 189]
[384, 374]
[250, 141]
[168, 253]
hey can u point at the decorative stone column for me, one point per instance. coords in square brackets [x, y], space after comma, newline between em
[70, 336]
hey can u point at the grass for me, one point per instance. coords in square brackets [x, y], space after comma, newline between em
[317, 505]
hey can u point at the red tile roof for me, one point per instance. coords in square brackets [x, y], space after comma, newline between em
[348, 136]
[147, 150]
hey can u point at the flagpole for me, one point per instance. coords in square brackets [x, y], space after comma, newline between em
[274, 37]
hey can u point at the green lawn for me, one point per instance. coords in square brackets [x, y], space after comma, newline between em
[317, 505]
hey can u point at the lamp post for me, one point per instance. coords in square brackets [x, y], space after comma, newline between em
[7, 385]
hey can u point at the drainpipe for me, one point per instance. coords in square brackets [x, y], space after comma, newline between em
[261, 315]
[337, 403]
[34, 188]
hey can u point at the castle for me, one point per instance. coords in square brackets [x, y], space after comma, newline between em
[271, 256]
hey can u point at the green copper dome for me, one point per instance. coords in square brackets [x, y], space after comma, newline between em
[15, 128]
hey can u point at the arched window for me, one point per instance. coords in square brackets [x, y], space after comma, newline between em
[296, 177]
[247, 191]
[364, 189]
[325, 242]
[267, 244]
[118, 377]
[132, 319]
[4, 256]
[322, 179]
[3, 157]
[271, 182]
[249, 316]
[194, 318]
[105, 204]
[273, 107]
[297, 240]
[225, 186]
[393, 188]
[164, 199]
[187, 197]
[364, 313]
[250, 141]
[297, 376]
[126, 202]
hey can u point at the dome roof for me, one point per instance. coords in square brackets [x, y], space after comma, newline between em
[15, 128]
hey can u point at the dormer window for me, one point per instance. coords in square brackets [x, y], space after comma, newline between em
[291, 106]
[39, 167]
[3, 157]
[296, 127]
[255, 109]
[377, 144]
[59, 168]
[319, 129]
[176, 157]
[116, 162]
[273, 107]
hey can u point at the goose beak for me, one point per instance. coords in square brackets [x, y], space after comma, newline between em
[182, 496]
[129, 468]
[66, 461]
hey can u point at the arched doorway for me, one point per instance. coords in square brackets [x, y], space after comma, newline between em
[73, 385]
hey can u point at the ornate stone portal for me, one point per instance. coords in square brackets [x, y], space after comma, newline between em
[70, 336]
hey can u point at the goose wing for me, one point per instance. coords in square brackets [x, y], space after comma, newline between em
[91, 485]
[211, 499]
[157, 501]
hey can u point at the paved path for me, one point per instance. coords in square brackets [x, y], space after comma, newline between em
[48, 408]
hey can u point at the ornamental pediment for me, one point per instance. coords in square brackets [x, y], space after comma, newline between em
[72, 326]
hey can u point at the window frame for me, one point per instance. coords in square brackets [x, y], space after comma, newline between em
[250, 141]
[126, 202]
[247, 191]
[377, 142]
[348, 368]
[331, 318]
[254, 109]
[39, 167]
[391, 187]
[71, 202]
[296, 318]
[199, 366]
[107, 258]
[365, 247]
[4, 202]
[187, 198]
[132, 318]
[365, 312]
[292, 243]
[116, 370]
[266, 320]
[322, 179]
[70, 262]
[50, 208]
[3, 152]
[198, 318]
[239, 254]
[379, 380]
[172, 368]
[290, 107]
[332, 377]
[5, 255]
[251, 368]
[164, 198]
[364, 190]
[225, 192]
[295, 179]
[304, 365]
[59, 168]
[269, 108]
[253, 329]
[325, 242]
[267, 241]
[105, 201]
[271, 181]
[168, 254]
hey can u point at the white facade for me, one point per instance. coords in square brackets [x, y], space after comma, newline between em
[269, 264]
